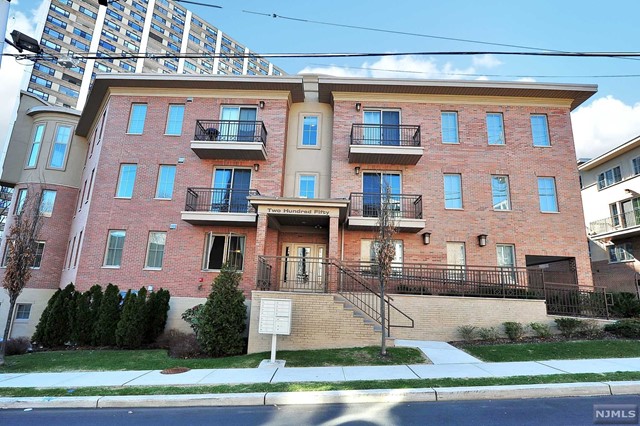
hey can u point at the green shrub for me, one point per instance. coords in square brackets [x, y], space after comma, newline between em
[490, 334]
[133, 320]
[513, 330]
[193, 316]
[157, 308]
[540, 329]
[95, 300]
[56, 329]
[39, 334]
[591, 329]
[468, 333]
[629, 328]
[568, 327]
[82, 327]
[625, 305]
[223, 316]
[108, 317]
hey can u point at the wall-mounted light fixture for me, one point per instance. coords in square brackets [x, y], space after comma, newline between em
[256, 167]
[189, 99]
[357, 170]
[261, 103]
[358, 106]
[426, 238]
[482, 240]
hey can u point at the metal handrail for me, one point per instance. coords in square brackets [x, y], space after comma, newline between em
[615, 222]
[368, 204]
[230, 131]
[220, 200]
[385, 134]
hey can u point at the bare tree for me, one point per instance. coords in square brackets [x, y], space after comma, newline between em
[385, 252]
[21, 252]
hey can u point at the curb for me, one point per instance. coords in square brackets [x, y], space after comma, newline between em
[554, 390]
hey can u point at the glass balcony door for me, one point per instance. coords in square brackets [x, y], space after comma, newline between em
[231, 188]
[381, 127]
[374, 187]
[239, 124]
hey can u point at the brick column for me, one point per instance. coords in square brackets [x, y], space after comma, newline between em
[333, 252]
[261, 235]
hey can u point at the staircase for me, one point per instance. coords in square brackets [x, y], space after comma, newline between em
[375, 327]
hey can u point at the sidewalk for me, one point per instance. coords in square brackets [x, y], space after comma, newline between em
[448, 362]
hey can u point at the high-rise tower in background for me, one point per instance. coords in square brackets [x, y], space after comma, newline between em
[163, 27]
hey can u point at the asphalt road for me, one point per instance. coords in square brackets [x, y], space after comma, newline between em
[551, 411]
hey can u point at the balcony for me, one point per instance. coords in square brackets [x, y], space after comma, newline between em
[230, 140]
[624, 224]
[385, 144]
[364, 209]
[213, 206]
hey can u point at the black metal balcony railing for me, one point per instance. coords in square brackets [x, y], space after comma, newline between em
[385, 134]
[230, 131]
[615, 222]
[219, 200]
[403, 206]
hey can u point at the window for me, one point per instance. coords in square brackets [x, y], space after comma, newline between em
[175, 117]
[115, 244]
[220, 249]
[155, 250]
[507, 262]
[621, 252]
[69, 92]
[166, 178]
[60, 147]
[449, 127]
[456, 260]
[369, 253]
[374, 188]
[230, 190]
[32, 161]
[636, 166]
[37, 260]
[23, 311]
[47, 201]
[20, 200]
[310, 130]
[136, 120]
[547, 194]
[500, 192]
[239, 123]
[495, 129]
[609, 177]
[126, 180]
[307, 186]
[452, 191]
[540, 130]
[381, 127]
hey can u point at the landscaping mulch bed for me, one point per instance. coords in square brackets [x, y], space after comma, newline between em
[175, 370]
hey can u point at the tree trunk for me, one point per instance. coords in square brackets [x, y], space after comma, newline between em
[383, 345]
[7, 328]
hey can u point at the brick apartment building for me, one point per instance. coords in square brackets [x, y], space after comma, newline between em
[164, 178]
[611, 199]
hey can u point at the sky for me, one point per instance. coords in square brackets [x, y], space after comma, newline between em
[608, 119]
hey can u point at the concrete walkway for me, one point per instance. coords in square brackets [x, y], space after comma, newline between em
[448, 362]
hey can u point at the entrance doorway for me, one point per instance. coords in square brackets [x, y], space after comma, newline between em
[303, 268]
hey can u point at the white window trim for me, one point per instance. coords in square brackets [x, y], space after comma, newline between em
[622, 179]
[457, 127]
[146, 255]
[486, 124]
[22, 320]
[316, 177]
[106, 250]
[533, 141]
[166, 127]
[131, 116]
[158, 183]
[227, 239]
[35, 132]
[301, 117]
[67, 148]
[444, 200]
[119, 181]
[508, 194]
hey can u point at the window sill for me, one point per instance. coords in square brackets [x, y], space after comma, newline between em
[556, 212]
[502, 211]
[316, 147]
[122, 198]
[163, 199]
[218, 270]
[134, 134]
[152, 269]
[109, 267]
[454, 208]
[542, 146]
[450, 143]
[173, 134]
[621, 261]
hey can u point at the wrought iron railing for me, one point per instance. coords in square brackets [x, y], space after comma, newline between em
[576, 301]
[230, 131]
[385, 134]
[615, 222]
[219, 200]
[308, 274]
[404, 206]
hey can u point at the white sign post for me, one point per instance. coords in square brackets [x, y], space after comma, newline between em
[275, 318]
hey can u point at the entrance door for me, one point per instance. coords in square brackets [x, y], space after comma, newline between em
[302, 268]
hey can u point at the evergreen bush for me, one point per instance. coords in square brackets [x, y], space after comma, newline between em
[625, 305]
[569, 327]
[57, 329]
[629, 328]
[540, 330]
[467, 332]
[223, 316]
[39, 334]
[82, 329]
[490, 334]
[95, 299]
[132, 325]
[158, 306]
[513, 330]
[108, 317]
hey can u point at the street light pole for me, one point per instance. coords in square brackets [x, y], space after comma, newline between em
[4, 17]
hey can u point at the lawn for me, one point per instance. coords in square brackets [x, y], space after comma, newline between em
[319, 386]
[579, 349]
[157, 359]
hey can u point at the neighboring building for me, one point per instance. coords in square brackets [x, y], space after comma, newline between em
[131, 26]
[169, 177]
[611, 200]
